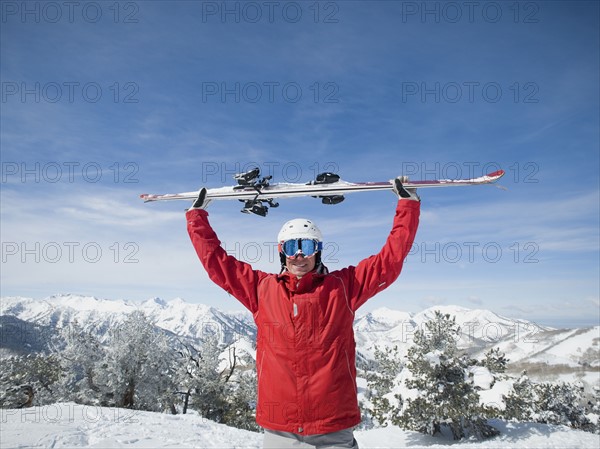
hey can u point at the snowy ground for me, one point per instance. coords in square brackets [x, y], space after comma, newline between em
[68, 425]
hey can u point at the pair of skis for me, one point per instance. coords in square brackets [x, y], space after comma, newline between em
[258, 194]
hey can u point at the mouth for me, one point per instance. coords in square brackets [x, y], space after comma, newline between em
[300, 265]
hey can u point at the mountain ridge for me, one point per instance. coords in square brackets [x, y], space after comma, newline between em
[481, 329]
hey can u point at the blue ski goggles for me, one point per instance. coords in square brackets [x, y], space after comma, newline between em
[295, 247]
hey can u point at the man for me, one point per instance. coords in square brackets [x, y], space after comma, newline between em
[305, 358]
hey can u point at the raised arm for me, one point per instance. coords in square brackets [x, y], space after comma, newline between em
[379, 271]
[236, 277]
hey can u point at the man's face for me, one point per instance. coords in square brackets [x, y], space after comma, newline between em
[300, 265]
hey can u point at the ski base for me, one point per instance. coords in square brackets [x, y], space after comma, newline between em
[255, 192]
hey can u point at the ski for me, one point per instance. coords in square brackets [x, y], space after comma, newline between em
[258, 192]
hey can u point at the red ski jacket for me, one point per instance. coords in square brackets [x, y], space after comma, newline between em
[305, 357]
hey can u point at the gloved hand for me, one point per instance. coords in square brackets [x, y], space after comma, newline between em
[201, 202]
[404, 194]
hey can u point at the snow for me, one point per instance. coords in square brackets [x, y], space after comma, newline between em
[566, 355]
[492, 397]
[433, 357]
[71, 425]
[482, 377]
[390, 317]
[573, 346]
[513, 435]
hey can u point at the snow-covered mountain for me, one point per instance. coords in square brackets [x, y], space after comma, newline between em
[480, 329]
[97, 316]
[28, 323]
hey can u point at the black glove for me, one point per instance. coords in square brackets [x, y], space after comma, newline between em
[404, 194]
[201, 202]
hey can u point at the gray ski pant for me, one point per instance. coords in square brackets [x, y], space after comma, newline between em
[344, 439]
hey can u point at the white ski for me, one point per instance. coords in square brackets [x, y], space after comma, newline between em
[328, 186]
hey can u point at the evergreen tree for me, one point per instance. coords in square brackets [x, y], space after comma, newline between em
[561, 403]
[520, 402]
[201, 381]
[28, 380]
[241, 402]
[209, 388]
[137, 368]
[495, 361]
[187, 366]
[594, 410]
[440, 376]
[547, 403]
[214, 385]
[80, 357]
[381, 376]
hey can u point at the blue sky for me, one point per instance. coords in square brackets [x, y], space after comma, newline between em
[102, 101]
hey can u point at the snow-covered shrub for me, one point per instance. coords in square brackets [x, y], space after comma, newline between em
[444, 390]
[561, 403]
[80, 355]
[547, 403]
[199, 379]
[241, 402]
[137, 368]
[29, 380]
[381, 376]
[593, 410]
[495, 361]
[131, 369]
[219, 392]
[520, 402]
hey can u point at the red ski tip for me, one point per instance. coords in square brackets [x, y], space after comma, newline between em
[496, 174]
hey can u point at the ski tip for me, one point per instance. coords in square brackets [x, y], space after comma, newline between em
[496, 175]
[147, 197]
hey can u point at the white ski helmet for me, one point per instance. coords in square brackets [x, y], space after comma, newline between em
[299, 228]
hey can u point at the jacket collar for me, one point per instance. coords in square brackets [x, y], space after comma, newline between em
[303, 284]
